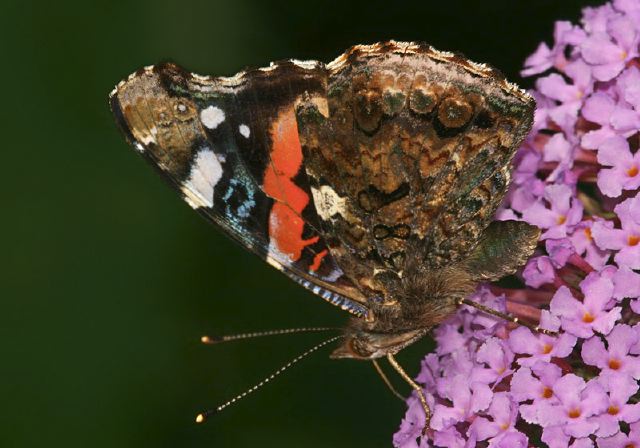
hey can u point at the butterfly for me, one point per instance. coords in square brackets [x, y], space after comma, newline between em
[372, 180]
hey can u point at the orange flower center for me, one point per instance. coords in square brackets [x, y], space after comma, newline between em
[587, 232]
[561, 220]
[633, 171]
[613, 410]
[633, 240]
[546, 349]
[588, 318]
[547, 392]
[504, 426]
[614, 364]
[630, 445]
[574, 413]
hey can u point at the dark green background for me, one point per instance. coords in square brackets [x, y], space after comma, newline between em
[108, 279]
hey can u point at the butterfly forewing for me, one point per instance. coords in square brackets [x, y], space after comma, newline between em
[231, 147]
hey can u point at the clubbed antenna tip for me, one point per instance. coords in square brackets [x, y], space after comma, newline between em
[202, 417]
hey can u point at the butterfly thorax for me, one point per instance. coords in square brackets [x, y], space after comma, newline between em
[422, 298]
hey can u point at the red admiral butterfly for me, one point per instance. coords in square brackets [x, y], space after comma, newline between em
[371, 181]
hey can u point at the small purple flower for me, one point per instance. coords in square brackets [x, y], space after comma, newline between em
[620, 389]
[539, 271]
[568, 96]
[555, 437]
[628, 6]
[411, 426]
[539, 388]
[563, 213]
[628, 85]
[614, 118]
[500, 430]
[627, 285]
[467, 399]
[565, 34]
[607, 52]
[558, 149]
[559, 251]
[498, 356]
[540, 347]
[583, 318]
[622, 440]
[582, 239]
[451, 437]
[625, 240]
[449, 338]
[578, 402]
[478, 324]
[614, 360]
[624, 173]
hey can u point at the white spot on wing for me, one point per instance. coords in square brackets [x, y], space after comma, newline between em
[328, 203]
[244, 130]
[212, 116]
[205, 174]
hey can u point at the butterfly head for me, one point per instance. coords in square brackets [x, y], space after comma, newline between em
[363, 344]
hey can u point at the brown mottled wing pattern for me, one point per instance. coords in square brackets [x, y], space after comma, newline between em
[414, 155]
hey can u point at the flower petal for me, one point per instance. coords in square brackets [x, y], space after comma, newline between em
[594, 353]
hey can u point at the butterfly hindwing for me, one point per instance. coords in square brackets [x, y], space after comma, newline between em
[412, 159]
[231, 147]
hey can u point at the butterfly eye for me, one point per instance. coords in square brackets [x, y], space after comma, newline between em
[368, 110]
[454, 112]
[359, 348]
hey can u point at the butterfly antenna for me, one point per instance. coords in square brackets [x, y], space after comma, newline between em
[210, 340]
[200, 418]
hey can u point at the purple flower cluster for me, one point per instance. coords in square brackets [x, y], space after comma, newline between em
[577, 177]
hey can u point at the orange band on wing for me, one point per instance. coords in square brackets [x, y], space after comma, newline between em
[285, 224]
[317, 260]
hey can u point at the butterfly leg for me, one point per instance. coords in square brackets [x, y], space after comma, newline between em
[416, 387]
[505, 316]
[386, 380]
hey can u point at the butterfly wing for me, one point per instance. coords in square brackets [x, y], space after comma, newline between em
[230, 146]
[412, 159]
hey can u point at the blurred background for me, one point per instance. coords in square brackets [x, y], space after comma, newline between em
[108, 279]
